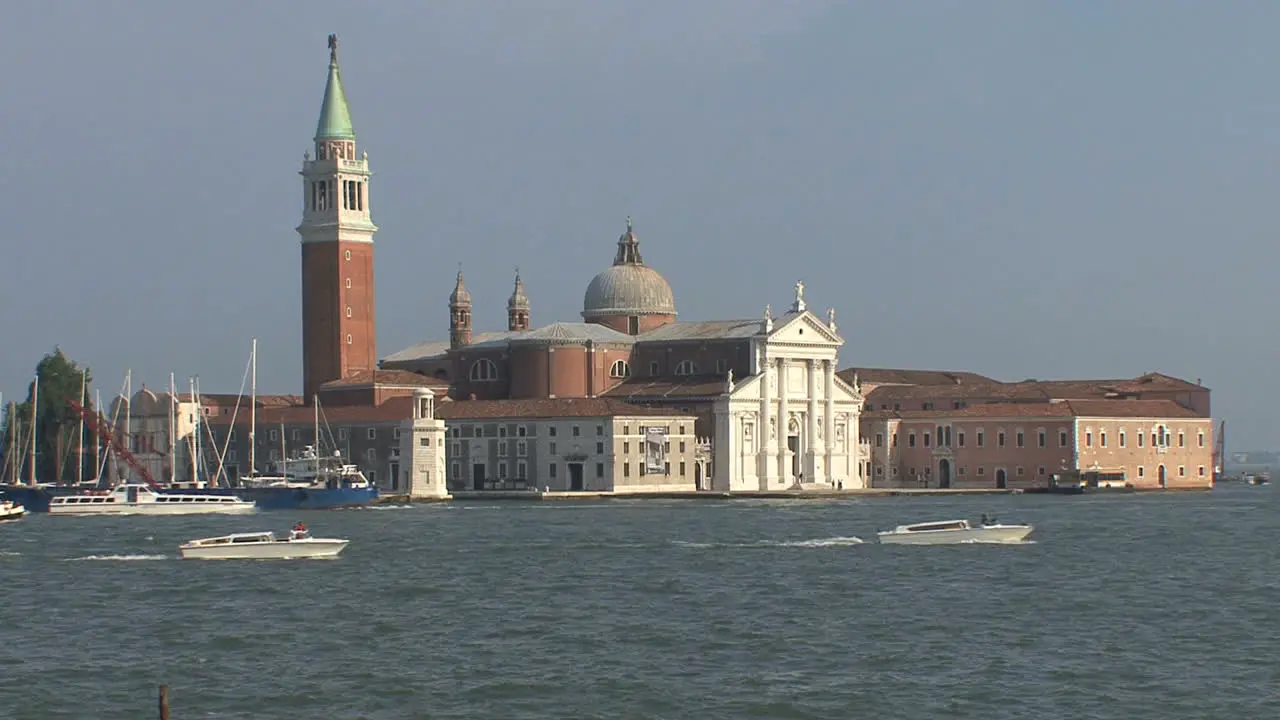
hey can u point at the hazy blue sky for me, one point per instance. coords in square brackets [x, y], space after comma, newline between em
[1023, 189]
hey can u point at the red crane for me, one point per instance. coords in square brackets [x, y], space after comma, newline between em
[104, 433]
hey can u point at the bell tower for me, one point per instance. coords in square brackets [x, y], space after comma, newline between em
[338, 330]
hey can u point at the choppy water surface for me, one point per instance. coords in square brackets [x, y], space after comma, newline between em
[1126, 607]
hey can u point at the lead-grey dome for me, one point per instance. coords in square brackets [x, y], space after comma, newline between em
[629, 287]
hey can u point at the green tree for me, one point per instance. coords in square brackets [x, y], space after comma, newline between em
[57, 424]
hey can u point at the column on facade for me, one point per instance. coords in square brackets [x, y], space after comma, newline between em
[762, 432]
[812, 445]
[784, 424]
[829, 417]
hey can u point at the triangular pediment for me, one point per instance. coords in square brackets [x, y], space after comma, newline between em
[803, 329]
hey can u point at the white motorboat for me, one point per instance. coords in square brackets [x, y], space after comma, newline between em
[262, 546]
[136, 499]
[10, 510]
[951, 532]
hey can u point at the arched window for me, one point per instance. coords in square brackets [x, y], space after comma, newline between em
[686, 367]
[620, 369]
[483, 370]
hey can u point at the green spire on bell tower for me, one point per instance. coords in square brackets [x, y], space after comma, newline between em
[335, 118]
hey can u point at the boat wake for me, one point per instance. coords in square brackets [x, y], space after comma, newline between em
[997, 542]
[815, 543]
[118, 557]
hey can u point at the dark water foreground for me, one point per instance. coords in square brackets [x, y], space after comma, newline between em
[1128, 607]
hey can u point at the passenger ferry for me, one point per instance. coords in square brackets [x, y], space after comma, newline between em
[136, 499]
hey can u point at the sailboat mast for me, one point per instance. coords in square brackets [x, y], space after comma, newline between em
[14, 463]
[173, 431]
[84, 390]
[316, 432]
[97, 441]
[253, 410]
[128, 413]
[35, 404]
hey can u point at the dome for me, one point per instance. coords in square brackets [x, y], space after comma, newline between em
[628, 290]
[629, 287]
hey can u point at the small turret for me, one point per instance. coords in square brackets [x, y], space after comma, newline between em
[518, 307]
[459, 315]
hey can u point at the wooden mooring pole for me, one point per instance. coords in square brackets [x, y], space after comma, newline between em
[164, 702]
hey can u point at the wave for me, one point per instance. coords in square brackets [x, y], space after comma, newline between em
[838, 541]
[118, 557]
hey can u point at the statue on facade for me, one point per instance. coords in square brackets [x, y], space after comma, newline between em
[728, 381]
[768, 318]
[831, 319]
[799, 304]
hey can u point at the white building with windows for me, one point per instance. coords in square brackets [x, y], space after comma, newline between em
[568, 445]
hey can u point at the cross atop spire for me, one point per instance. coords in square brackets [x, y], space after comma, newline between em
[333, 49]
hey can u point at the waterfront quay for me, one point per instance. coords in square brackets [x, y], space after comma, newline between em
[815, 494]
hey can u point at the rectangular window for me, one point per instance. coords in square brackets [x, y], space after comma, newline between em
[1141, 470]
[424, 442]
[551, 431]
[681, 468]
[1062, 438]
[1021, 471]
[1042, 438]
[396, 434]
[455, 470]
[599, 448]
[552, 449]
[1102, 439]
[1122, 439]
[666, 468]
[1000, 439]
[373, 433]
[521, 431]
[1022, 439]
[599, 470]
[1181, 439]
[502, 447]
[926, 439]
[1088, 439]
[960, 438]
[522, 470]
[577, 431]
[1201, 470]
[626, 469]
[911, 439]
[1142, 439]
[982, 440]
[599, 431]
[682, 446]
[893, 440]
[1200, 441]
[502, 431]
[502, 471]
[626, 447]
[879, 439]
[522, 447]
[551, 470]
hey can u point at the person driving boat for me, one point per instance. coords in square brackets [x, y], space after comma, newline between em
[299, 531]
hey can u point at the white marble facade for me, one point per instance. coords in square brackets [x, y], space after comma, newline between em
[792, 421]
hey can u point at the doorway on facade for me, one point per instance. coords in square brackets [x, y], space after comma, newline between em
[395, 476]
[575, 476]
[944, 473]
[793, 444]
[1161, 476]
[477, 476]
[1002, 480]
[697, 476]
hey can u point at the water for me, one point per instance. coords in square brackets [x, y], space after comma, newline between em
[1130, 606]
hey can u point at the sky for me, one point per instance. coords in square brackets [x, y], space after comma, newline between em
[1022, 189]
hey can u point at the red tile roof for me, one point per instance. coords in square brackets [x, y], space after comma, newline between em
[392, 410]
[397, 378]
[1049, 409]
[672, 386]
[896, 376]
[547, 408]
